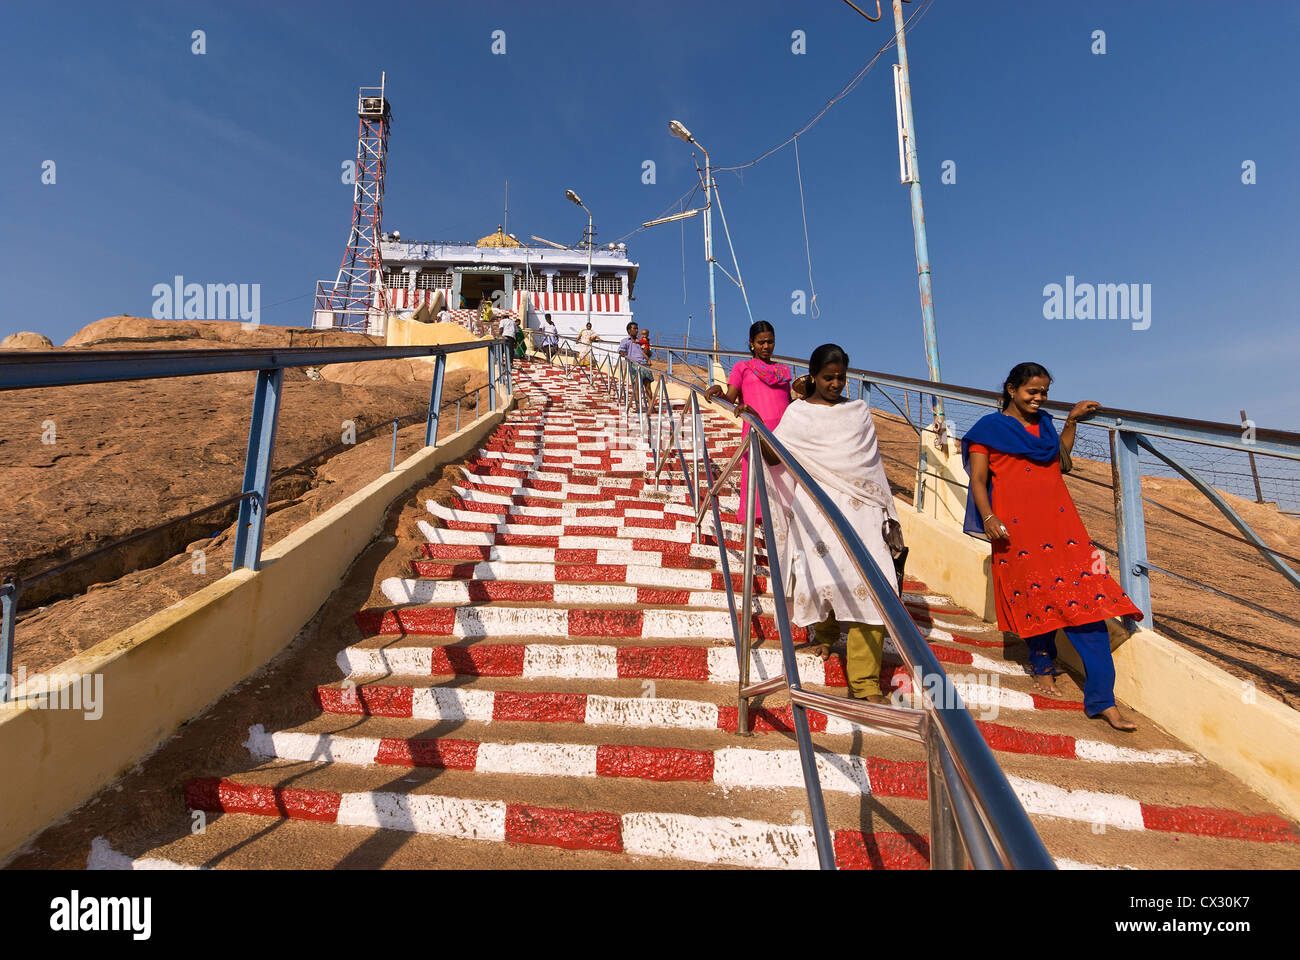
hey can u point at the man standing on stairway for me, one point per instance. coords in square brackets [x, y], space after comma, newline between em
[630, 349]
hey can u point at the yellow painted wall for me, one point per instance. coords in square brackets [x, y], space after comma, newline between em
[170, 667]
[411, 332]
[1242, 730]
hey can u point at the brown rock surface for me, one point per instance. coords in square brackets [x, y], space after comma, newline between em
[87, 465]
[26, 340]
[129, 333]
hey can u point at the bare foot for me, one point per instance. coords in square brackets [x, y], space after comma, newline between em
[1046, 685]
[821, 651]
[877, 698]
[1112, 716]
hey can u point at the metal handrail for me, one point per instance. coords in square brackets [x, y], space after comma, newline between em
[973, 807]
[1130, 431]
[54, 368]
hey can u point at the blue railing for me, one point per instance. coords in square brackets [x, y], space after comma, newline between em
[975, 816]
[61, 368]
[1129, 432]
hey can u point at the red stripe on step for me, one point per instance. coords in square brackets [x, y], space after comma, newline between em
[973, 642]
[540, 707]
[891, 778]
[738, 582]
[949, 655]
[481, 660]
[442, 571]
[385, 701]
[591, 573]
[529, 520]
[503, 590]
[470, 527]
[565, 555]
[605, 623]
[226, 796]
[654, 763]
[526, 540]
[1212, 822]
[454, 551]
[764, 628]
[444, 754]
[881, 851]
[375, 701]
[433, 621]
[1047, 703]
[663, 596]
[479, 506]
[591, 531]
[664, 663]
[572, 829]
[769, 720]
[665, 523]
[1011, 740]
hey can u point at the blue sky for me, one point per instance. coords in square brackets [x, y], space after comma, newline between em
[1117, 168]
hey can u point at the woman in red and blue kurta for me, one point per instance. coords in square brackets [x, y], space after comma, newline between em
[1046, 574]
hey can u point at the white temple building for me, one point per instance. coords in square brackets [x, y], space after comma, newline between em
[528, 281]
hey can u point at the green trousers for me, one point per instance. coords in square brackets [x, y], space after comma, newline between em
[866, 649]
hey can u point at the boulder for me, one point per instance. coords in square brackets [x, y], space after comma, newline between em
[26, 340]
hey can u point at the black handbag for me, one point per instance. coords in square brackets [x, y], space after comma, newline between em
[900, 558]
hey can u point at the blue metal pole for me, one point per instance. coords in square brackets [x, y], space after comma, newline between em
[435, 404]
[492, 387]
[803, 736]
[8, 613]
[257, 469]
[508, 354]
[1130, 529]
[392, 456]
[918, 209]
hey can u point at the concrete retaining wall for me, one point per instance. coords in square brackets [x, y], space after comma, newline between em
[172, 666]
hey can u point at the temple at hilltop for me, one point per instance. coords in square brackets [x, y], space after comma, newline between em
[530, 280]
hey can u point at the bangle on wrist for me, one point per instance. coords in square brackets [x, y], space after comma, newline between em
[989, 517]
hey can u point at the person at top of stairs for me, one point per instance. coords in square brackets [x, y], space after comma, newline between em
[1046, 575]
[834, 439]
[760, 387]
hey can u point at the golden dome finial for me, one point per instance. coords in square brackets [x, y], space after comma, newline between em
[498, 239]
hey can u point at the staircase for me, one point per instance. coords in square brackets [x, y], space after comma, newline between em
[553, 685]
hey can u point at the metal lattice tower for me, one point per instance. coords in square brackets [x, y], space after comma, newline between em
[357, 299]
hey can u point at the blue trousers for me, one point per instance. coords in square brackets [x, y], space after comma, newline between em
[1092, 642]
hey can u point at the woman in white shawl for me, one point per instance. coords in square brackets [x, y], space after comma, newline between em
[585, 339]
[834, 439]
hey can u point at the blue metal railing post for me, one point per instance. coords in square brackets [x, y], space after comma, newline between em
[392, 455]
[1130, 529]
[435, 403]
[492, 387]
[508, 355]
[257, 469]
[8, 613]
[803, 736]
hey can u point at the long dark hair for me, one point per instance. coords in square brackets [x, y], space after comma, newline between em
[827, 353]
[757, 327]
[1021, 374]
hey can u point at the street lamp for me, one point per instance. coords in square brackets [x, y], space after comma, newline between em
[578, 200]
[678, 130]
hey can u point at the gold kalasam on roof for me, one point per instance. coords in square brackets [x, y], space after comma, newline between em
[498, 239]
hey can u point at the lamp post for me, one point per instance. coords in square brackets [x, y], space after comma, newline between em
[678, 129]
[578, 200]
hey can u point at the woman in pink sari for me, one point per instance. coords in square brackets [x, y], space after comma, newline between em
[761, 386]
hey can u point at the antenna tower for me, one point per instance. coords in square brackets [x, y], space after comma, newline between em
[358, 300]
